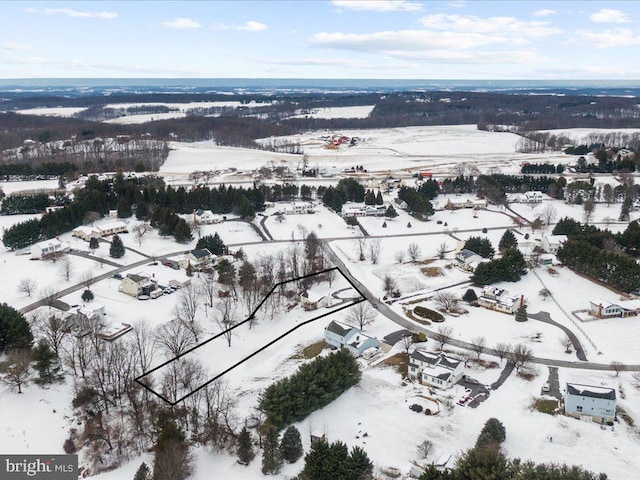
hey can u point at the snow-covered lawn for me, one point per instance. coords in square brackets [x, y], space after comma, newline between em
[360, 111]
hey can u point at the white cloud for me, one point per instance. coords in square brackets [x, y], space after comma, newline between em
[334, 62]
[73, 13]
[181, 22]
[607, 15]
[379, 5]
[489, 25]
[621, 37]
[250, 26]
[544, 12]
[457, 4]
[15, 47]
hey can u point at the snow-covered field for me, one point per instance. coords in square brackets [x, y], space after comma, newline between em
[52, 111]
[378, 406]
[361, 111]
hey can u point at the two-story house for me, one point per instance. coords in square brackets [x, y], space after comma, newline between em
[198, 259]
[339, 335]
[499, 299]
[136, 285]
[468, 260]
[582, 401]
[48, 248]
[435, 369]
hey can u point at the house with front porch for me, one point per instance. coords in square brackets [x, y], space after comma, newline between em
[600, 308]
[340, 335]
[587, 401]
[435, 369]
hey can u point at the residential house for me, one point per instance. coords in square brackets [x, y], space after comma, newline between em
[468, 260]
[603, 309]
[82, 320]
[112, 228]
[205, 217]
[198, 259]
[48, 248]
[533, 196]
[551, 243]
[375, 210]
[399, 203]
[86, 233]
[299, 208]
[339, 335]
[136, 285]
[313, 301]
[495, 298]
[456, 204]
[435, 369]
[115, 331]
[584, 401]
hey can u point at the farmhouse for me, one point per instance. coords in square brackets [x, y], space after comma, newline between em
[551, 243]
[299, 208]
[498, 299]
[198, 259]
[48, 248]
[437, 370]
[339, 335]
[135, 285]
[313, 301]
[586, 401]
[602, 309]
[468, 260]
[205, 217]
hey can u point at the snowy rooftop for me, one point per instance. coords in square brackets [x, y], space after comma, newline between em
[591, 391]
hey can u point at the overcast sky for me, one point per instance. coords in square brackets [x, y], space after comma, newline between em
[402, 39]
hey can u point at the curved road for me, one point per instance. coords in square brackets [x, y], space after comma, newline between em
[546, 318]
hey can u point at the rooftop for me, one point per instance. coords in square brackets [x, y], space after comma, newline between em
[606, 393]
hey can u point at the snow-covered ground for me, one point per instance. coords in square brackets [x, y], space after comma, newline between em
[378, 406]
[360, 111]
[52, 111]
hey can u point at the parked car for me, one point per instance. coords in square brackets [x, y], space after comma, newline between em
[546, 388]
[143, 297]
[117, 276]
[168, 291]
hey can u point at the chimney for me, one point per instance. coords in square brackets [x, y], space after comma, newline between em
[521, 300]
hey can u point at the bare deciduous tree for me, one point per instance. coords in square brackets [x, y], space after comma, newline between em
[374, 250]
[87, 278]
[549, 214]
[361, 315]
[544, 293]
[388, 284]
[27, 286]
[66, 268]
[636, 379]
[15, 370]
[414, 251]
[360, 244]
[447, 301]
[567, 343]
[478, 345]
[174, 338]
[187, 307]
[617, 367]
[502, 350]
[139, 232]
[226, 318]
[520, 355]
[406, 342]
[589, 206]
[399, 256]
[442, 335]
[143, 344]
[48, 296]
[425, 448]
[442, 250]
[51, 327]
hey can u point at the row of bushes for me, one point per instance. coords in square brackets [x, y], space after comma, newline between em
[428, 313]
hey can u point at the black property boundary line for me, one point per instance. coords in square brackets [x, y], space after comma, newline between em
[141, 382]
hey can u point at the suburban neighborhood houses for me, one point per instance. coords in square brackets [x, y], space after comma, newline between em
[436, 370]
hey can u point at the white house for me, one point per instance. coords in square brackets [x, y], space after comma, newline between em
[199, 258]
[135, 285]
[339, 335]
[533, 196]
[603, 309]
[399, 203]
[312, 300]
[206, 217]
[551, 243]
[112, 228]
[498, 299]
[299, 208]
[435, 369]
[42, 250]
[586, 401]
[468, 260]
[86, 233]
[82, 320]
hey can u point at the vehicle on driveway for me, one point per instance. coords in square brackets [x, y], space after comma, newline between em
[546, 388]
[117, 276]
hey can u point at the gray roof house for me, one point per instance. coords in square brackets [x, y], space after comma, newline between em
[437, 370]
[587, 401]
[339, 335]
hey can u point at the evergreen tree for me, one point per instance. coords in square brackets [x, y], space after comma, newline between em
[521, 313]
[352, 221]
[391, 212]
[182, 231]
[379, 200]
[508, 240]
[291, 445]
[213, 243]
[117, 247]
[142, 473]
[93, 243]
[226, 272]
[189, 270]
[369, 198]
[245, 448]
[142, 210]
[492, 434]
[482, 463]
[124, 208]
[271, 455]
[358, 465]
[46, 364]
[332, 462]
[15, 332]
[172, 460]
[87, 295]
[480, 245]
[22, 234]
[470, 296]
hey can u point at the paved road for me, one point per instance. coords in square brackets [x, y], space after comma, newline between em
[409, 325]
[546, 318]
[106, 261]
